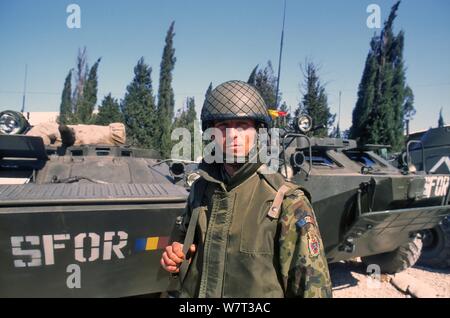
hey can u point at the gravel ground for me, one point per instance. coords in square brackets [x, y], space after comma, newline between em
[350, 280]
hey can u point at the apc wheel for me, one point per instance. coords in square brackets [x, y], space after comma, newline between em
[403, 257]
[436, 246]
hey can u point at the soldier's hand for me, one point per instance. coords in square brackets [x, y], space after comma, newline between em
[173, 256]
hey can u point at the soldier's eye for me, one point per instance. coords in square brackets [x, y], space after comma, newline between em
[242, 125]
[221, 127]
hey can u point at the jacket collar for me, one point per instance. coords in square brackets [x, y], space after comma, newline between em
[216, 173]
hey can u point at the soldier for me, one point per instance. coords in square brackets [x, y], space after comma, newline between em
[256, 234]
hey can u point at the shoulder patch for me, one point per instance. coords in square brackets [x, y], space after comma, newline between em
[313, 244]
[302, 210]
[305, 220]
[297, 193]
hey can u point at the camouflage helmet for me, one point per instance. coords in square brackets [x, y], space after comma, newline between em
[234, 100]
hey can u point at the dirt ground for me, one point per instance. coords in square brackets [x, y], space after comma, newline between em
[350, 280]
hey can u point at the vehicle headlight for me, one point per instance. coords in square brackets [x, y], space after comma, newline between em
[304, 123]
[12, 123]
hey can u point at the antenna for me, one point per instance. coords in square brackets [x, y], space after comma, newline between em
[24, 90]
[339, 116]
[279, 60]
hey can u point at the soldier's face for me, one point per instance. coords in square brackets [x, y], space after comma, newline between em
[238, 136]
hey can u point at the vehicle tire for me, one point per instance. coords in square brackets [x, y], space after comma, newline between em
[403, 257]
[436, 246]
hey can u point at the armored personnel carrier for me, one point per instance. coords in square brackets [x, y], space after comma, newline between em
[431, 154]
[365, 206]
[83, 221]
[92, 220]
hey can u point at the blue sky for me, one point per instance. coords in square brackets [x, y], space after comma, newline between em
[217, 41]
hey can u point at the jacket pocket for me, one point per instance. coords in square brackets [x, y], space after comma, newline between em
[258, 232]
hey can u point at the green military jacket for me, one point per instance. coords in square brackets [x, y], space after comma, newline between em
[243, 250]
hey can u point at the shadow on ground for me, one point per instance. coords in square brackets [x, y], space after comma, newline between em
[341, 274]
[433, 270]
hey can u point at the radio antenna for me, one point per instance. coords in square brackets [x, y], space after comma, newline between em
[279, 59]
[24, 89]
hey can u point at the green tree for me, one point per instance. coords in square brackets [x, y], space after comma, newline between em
[266, 83]
[187, 118]
[81, 74]
[84, 96]
[315, 101]
[252, 78]
[408, 108]
[138, 108]
[191, 114]
[345, 134]
[180, 119]
[194, 127]
[65, 109]
[166, 100]
[210, 88]
[109, 112]
[89, 99]
[366, 96]
[441, 122]
[336, 133]
[385, 102]
[70, 100]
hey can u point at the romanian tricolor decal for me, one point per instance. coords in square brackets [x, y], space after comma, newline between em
[151, 243]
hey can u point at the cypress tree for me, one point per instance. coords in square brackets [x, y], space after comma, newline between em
[441, 122]
[265, 82]
[65, 109]
[138, 108]
[315, 101]
[191, 113]
[336, 133]
[384, 102]
[210, 88]
[165, 94]
[194, 128]
[180, 119]
[252, 78]
[80, 79]
[366, 96]
[408, 106]
[188, 119]
[89, 99]
[109, 111]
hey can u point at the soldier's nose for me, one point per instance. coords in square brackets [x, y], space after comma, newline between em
[232, 132]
